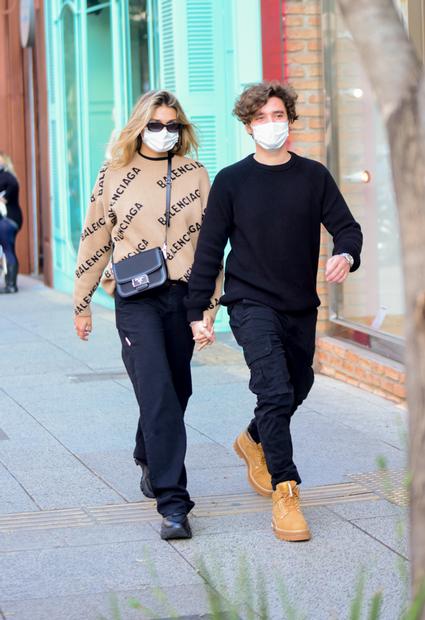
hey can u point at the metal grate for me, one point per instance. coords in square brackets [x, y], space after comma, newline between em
[145, 511]
[391, 485]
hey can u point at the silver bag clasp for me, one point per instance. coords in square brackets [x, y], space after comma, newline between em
[140, 280]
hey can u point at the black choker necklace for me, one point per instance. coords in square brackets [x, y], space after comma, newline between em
[152, 158]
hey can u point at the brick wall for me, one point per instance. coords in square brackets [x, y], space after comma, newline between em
[362, 368]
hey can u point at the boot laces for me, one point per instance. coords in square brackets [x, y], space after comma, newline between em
[291, 500]
[261, 457]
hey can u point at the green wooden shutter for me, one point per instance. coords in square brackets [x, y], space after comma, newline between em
[167, 55]
[191, 45]
[205, 91]
[211, 51]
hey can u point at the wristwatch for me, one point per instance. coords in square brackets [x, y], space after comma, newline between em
[348, 258]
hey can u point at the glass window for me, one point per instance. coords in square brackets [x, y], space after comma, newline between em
[100, 85]
[139, 48]
[373, 295]
[91, 76]
[71, 124]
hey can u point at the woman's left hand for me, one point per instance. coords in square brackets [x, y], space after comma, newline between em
[203, 332]
[337, 269]
[83, 326]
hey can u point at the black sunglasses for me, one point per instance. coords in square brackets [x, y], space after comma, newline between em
[172, 126]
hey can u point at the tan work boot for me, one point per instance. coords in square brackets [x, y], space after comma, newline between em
[288, 521]
[253, 455]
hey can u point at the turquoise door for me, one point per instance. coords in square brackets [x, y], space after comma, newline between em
[87, 100]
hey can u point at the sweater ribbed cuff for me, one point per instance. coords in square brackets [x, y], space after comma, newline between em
[194, 314]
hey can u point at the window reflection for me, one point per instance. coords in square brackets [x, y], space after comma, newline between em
[100, 82]
[372, 296]
[139, 48]
[71, 126]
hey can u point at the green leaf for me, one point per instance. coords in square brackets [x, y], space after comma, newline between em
[417, 607]
[375, 607]
[263, 605]
[356, 605]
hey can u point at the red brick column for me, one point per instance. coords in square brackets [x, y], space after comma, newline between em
[272, 41]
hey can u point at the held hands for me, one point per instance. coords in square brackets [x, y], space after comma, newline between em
[337, 269]
[203, 332]
[83, 326]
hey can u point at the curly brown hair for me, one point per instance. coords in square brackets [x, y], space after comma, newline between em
[255, 96]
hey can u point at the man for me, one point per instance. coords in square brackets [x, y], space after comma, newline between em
[270, 206]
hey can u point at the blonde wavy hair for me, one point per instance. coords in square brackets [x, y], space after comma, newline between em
[129, 139]
[8, 164]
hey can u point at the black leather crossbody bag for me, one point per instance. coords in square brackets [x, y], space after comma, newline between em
[146, 270]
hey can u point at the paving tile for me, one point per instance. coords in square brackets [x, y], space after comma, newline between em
[88, 569]
[391, 530]
[337, 554]
[185, 602]
[359, 510]
[33, 358]
[66, 488]
[98, 534]
[221, 481]
[327, 453]
[13, 498]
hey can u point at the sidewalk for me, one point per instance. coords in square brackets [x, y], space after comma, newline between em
[73, 526]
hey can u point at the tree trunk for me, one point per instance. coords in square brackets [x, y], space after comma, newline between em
[398, 80]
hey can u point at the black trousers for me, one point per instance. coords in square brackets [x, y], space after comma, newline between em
[279, 349]
[8, 231]
[157, 347]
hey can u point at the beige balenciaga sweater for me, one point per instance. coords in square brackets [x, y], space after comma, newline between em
[126, 215]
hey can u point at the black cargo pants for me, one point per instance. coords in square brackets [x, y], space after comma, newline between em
[279, 349]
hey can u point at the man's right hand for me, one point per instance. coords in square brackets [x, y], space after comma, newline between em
[83, 326]
[203, 332]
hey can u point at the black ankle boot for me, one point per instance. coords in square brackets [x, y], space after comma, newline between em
[175, 527]
[145, 482]
[10, 279]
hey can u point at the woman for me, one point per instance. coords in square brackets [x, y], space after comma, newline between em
[10, 221]
[126, 216]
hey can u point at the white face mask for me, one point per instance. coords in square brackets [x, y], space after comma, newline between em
[160, 141]
[271, 136]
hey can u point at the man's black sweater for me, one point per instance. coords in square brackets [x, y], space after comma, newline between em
[272, 217]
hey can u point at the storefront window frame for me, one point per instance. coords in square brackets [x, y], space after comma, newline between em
[121, 61]
[63, 249]
[384, 343]
[58, 16]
